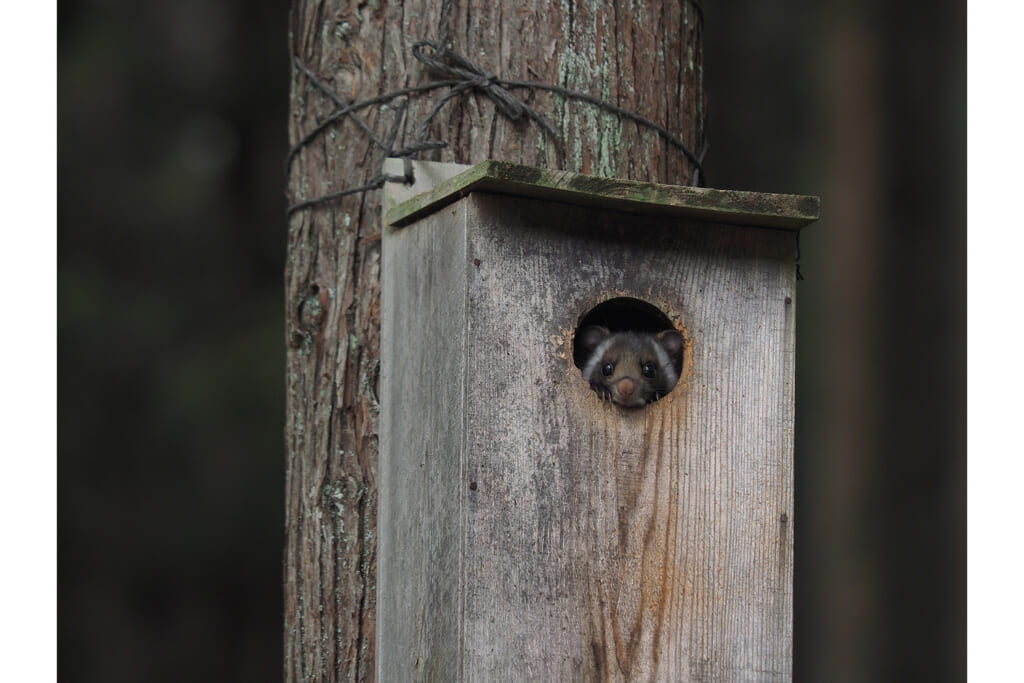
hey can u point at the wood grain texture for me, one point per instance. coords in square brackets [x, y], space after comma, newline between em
[596, 542]
[760, 209]
[644, 56]
[423, 431]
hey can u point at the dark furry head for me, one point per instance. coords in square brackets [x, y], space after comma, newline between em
[631, 369]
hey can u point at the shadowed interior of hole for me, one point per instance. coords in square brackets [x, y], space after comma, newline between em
[619, 315]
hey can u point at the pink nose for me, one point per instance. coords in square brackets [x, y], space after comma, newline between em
[625, 387]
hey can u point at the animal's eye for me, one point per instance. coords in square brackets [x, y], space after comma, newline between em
[607, 369]
[649, 369]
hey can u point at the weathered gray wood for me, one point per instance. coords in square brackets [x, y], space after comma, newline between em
[725, 206]
[426, 176]
[529, 531]
[422, 429]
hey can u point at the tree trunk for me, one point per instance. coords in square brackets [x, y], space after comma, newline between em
[646, 58]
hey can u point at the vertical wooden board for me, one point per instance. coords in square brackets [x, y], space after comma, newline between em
[422, 442]
[612, 544]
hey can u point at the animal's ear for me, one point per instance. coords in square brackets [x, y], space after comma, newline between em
[671, 341]
[592, 335]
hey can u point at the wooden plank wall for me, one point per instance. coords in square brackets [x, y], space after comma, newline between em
[421, 487]
[593, 542]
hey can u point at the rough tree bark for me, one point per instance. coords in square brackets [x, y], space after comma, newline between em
[646, 57]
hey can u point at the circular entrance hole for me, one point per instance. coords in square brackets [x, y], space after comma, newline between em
[628, 351]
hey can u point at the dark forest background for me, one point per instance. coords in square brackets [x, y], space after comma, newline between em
[171, 235]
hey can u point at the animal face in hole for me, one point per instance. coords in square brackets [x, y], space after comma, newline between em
[629, 368]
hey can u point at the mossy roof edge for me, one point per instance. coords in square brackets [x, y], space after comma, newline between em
[777, 211]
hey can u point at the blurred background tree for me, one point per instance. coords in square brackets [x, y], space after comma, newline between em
[171, 142]
[171, 139]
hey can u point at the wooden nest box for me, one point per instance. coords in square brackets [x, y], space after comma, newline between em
[528, 529]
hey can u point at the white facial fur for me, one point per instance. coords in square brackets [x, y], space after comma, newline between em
[616, 364]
